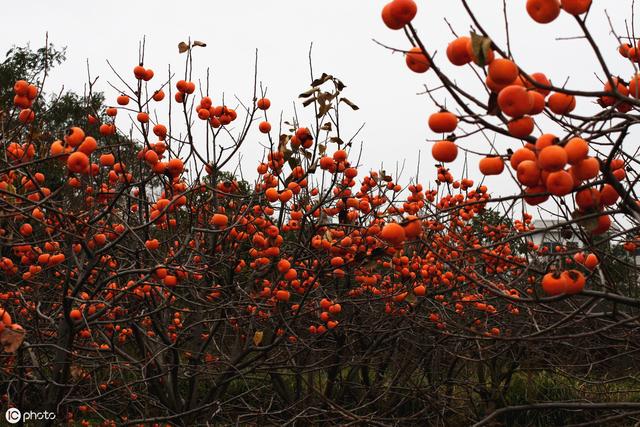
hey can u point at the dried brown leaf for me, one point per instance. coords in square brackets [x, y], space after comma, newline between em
[183, 47]
[349, 103]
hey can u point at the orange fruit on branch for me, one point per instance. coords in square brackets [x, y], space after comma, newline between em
[78, 162]
[443, 122]
[393, 234]
[552, 158]
[263, 103]
[514, 101]
[575, 7]
[559, 183]
[543, 11]
[503, 71]
[574, 280]
[444, 151]
[520, 155]
[491, 165]
[554, 284]
[528, 173]
[417, 61]
[403, 11]
[264, 127]
[521, 127]
[561, 103]
[577, 150]
[457, 51]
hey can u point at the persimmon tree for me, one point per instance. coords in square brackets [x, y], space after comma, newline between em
[154, 284]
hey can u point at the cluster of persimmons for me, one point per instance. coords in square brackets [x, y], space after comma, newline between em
[123, 239]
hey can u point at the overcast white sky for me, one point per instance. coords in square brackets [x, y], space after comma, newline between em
[342, 33]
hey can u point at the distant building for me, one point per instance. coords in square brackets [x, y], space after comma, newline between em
[555, 235]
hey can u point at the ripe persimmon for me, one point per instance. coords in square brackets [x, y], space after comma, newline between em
[444, 151]
[443, 122]
[588, 198]
[545, 140]
[160, 130]
[263, 103]
[26, 229]
[74, 136]
[541, 79]
[393, 233]
[175, 166]
[336, 261]
[575, 7]
[577, 150]
[543, 11]
[143, 117]
[561, 103]
[538, 102]
[417, 61]
[521, 127]
[283, 266]
[78, 162]
[285, 196]
[535, 195]
[340, 155]
[503, 71]
[148, 75]
[26, 116]
[491, 165]
[75, 314]
[122, 100]
[554, 284]
[587, 168]
[138, 72]
[158, 95]
[88, 146]
[403, 11]
[335, 308]
[559, 183]
[272, 194]
[151, 157]
[264, 127]
[520, 155]
[219, 220]
[412, 227]
[21, 101]
[107, 129]
[152, 244]
[603, 225]
[552, 158]
[514, 101]
[457, 51]
[608, 195]
[57, 148]
[282, 295]
[634, 86]
[528, 173]
[591, 261]
[575, 281]
[621, 88]
[21, 88]
[390, 20]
